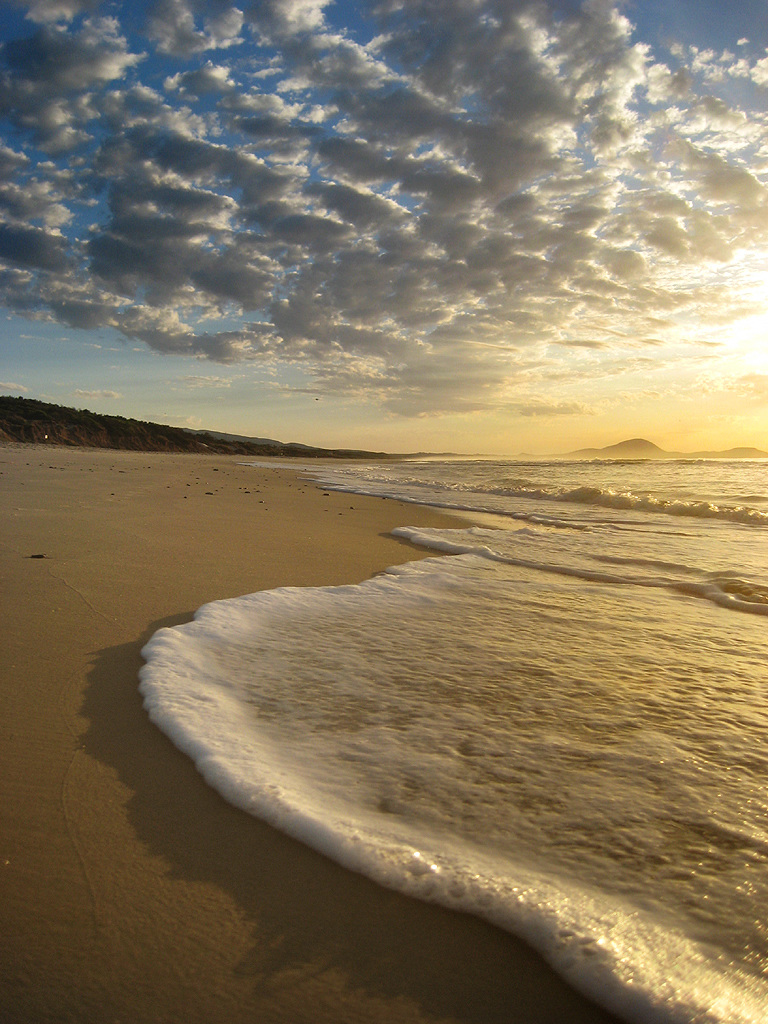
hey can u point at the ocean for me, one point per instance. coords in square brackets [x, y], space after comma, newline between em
[558, 723]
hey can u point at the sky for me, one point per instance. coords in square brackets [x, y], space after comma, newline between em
[481, 226]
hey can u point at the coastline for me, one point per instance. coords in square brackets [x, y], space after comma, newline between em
[130, 890]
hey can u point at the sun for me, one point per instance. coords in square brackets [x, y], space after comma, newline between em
[745, 336]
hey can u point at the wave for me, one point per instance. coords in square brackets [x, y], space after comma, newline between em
[316, 704]
[479, 495]
[628, 501]
[726, 589]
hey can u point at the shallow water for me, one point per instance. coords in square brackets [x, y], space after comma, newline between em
[561, 727]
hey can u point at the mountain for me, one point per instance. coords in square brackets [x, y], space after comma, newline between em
[30, 421]
[636, 448]
[639, 448]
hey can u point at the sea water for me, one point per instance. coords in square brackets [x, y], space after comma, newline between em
[558, 723]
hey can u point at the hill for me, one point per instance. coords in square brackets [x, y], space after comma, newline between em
[639, 448]
[33, 422]
[636, 448]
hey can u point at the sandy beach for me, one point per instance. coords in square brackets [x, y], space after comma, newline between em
[130, 891]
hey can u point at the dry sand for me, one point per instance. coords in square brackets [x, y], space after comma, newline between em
[130, 891]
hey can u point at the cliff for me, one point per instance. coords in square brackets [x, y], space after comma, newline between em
[30, 421]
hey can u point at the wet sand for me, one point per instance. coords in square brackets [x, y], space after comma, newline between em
[129, 890]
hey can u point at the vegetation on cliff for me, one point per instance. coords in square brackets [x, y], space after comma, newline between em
[30, 421]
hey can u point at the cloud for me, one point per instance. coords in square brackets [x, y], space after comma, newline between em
[8, 386]
[179, 28]
[47, 11]
[541, 407]
[98, 393]
[32, 247]
[46, 82]
[404, 207]
[210, 78]
[206, 381]
[750, 387]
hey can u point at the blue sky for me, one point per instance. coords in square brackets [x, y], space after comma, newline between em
[476, 225]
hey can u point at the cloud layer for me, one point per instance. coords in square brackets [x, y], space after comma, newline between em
[429, 205]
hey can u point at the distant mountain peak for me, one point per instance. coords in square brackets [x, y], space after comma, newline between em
[636, 444]
[640, 448]
[634, 448]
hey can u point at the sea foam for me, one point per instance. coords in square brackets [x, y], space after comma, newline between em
[548, 728]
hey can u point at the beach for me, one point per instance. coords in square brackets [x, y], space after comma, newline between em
[131, 891]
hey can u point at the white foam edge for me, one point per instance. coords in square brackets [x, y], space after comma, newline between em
[566, 929]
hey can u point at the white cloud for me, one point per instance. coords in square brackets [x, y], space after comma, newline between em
[224, 29]
[300, 15]
[206, 381]
[97, 393]
[760, 72]
[51, 11]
